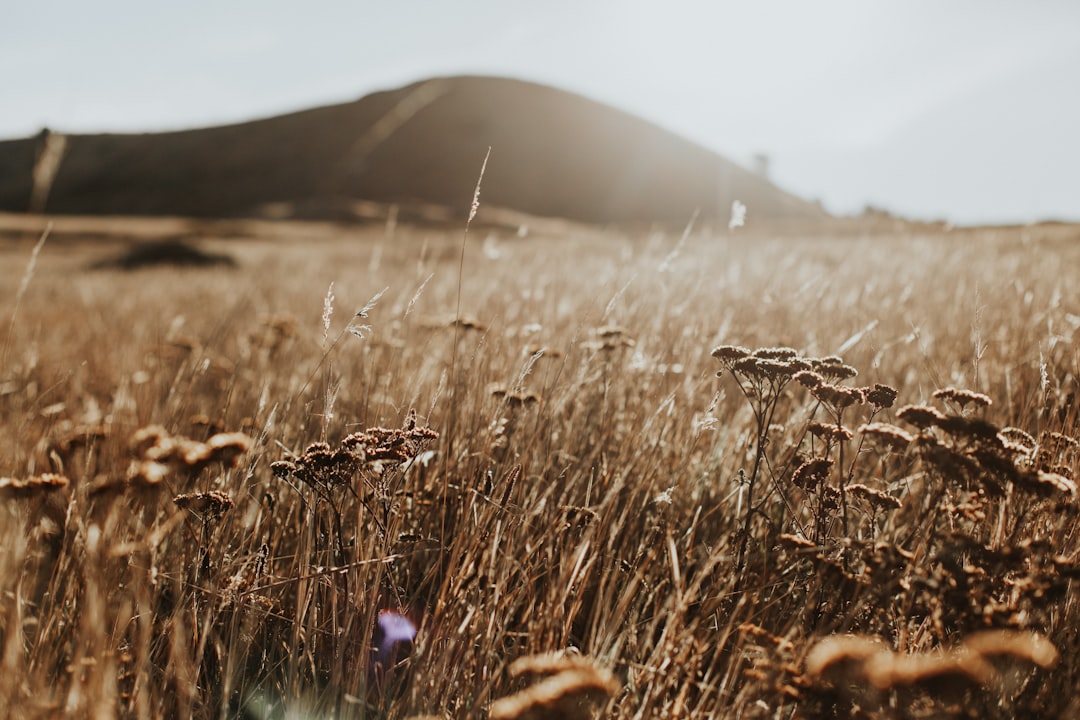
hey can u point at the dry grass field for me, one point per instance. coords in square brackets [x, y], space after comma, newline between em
[734, 475]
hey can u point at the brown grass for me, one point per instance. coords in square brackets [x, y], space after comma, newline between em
[244, 496]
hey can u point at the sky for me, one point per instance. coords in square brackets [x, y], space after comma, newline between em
[960, 110]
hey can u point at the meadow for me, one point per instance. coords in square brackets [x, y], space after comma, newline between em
[624, 474]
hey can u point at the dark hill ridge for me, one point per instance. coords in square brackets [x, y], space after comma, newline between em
[553, 154]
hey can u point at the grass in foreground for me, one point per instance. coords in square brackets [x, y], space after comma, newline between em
[220, 482]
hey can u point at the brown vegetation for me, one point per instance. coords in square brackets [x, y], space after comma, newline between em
[739, 476]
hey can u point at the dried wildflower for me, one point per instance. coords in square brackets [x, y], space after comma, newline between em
[833, 368]
[74, 437]
[155, 444]
[1018, 437]
[515, 398]
[834, 655]
[878, 499]
[830, 498]
[1046, 484]
[830, 433]
[891, 435]
[730, 353]
[963, 398]
[964, 427]
[812, 473]
[611, 332]
[881, 396]
[838, 396]
[567, 691]
[147, 473]
[1028, 646]
[320, 467]
[14, 488]
[209, 505]
[808, 378]
[146, 438]
[749, 366]
[921, 416]
[795, 542]
[227, 448]
[775, 353]
[893, 670]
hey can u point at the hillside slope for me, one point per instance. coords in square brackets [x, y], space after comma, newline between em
[553, 154]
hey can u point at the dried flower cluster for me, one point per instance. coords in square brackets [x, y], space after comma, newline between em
[376, 451]
[566, 688]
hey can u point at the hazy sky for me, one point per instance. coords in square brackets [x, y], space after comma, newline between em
[966, 110]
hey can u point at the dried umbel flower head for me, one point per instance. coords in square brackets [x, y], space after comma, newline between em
[1046, 484]
[227, 448]
[154, 443]
[29, 487]
[921, 416]
[515, 398]
[974, 428]
[321, 467]
[836, 654]
[830, 433]
[729, 354]
[376, 450]
[963, 398]
[795, 543]
[881, 396]
[838, 396]
[889, 670]
[808, 378]
[847, 658]
[812, 473]
[833, 368]
[570, 687]
[1029, 646]
[878, 499]
[209, 505]
[776, 353]
[890, 435]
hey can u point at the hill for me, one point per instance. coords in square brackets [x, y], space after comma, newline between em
[553, 154]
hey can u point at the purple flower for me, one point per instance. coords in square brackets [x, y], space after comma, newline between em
[393, 637]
